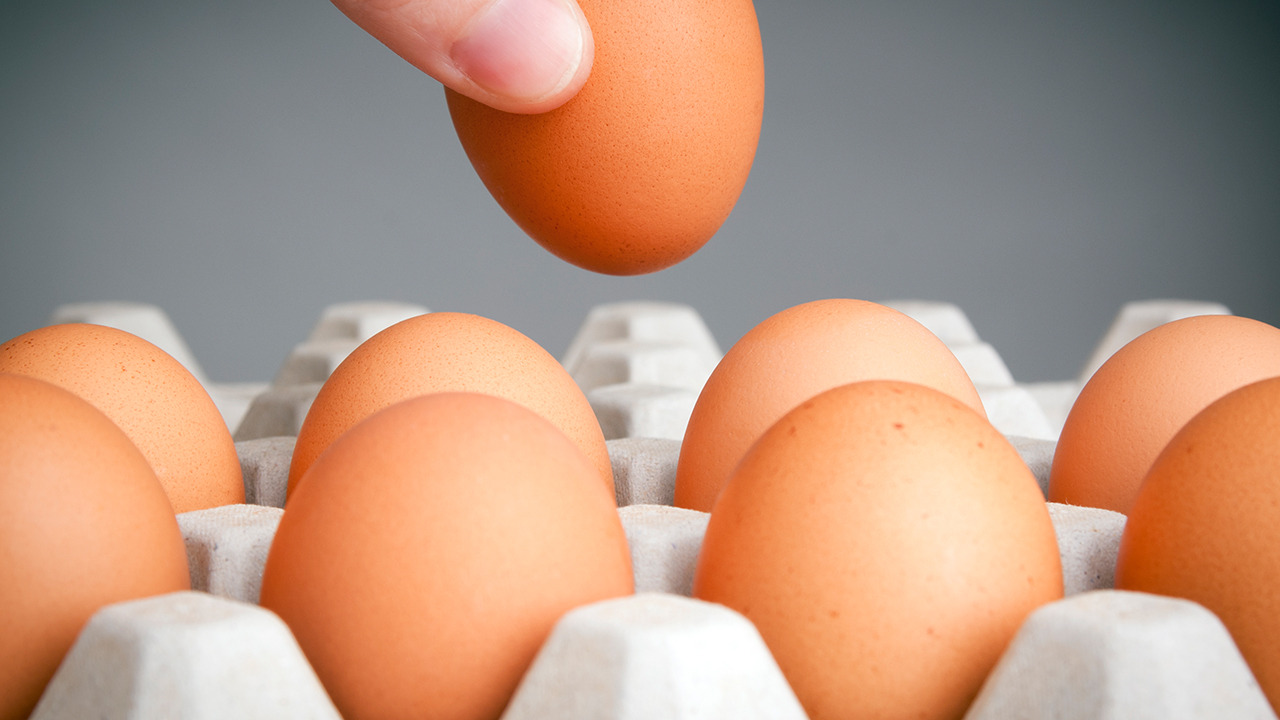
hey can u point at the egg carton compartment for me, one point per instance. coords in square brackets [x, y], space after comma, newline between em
[212, 652]
[1098, 653]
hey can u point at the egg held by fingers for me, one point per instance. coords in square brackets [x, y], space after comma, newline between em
[643, 165]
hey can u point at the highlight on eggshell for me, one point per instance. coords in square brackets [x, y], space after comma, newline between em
[638, 170]
[1205, 524]
[1144, 393]
[430, 549]
[158, 403]
[792, 356]
[84, 522]
[887, 541]
[447, 351]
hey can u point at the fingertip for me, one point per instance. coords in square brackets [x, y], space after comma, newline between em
[524, 56]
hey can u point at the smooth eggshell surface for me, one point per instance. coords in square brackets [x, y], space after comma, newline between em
[83, 523]
[644, 164]
[441, 352]
[158, 403]
[430, 550]
[1206, 523]
[789, 358]
[887, 542]
[1144, 393]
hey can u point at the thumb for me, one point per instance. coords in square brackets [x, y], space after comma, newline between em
[523, 56]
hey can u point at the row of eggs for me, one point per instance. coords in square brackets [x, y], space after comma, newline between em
[450, 497]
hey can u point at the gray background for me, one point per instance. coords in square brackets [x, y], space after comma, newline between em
[244, 164]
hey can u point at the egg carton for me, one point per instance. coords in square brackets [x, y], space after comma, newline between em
[213, 652]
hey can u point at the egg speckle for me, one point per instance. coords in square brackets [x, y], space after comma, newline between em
[644, 164]
[158, 403]
[791, 357]
[887, 542]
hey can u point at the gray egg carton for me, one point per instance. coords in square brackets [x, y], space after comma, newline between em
[1099, 653]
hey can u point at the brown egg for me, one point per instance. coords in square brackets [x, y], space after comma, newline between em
[428, 552]
[1205, 525]
[158, 403]
[83, 523]
[442, 351]
[644, 164]
[791, 357]
[1144, 393]
[887, 542]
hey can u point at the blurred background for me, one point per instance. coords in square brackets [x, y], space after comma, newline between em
[244, 164]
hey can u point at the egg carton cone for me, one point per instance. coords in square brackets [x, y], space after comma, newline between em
[1098, 652]
[654, 655]
[189, 655]
[279, 408]
[361, 320]
[610, 362]
[264, 464]
[644, 470]
[227, 548]
[340, 329]
[639, 322]
[277, 411]
[664, 543]
[1113, 655]
[629, 410]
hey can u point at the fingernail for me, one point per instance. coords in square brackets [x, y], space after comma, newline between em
[521, 49]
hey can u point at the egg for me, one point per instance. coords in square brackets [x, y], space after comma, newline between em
[158, 403]
[445, 351]
[1205, 524]
[644, 164]
[84, 522]
[429, 551]
[887, 542]
[792, 356]
[1144, 393]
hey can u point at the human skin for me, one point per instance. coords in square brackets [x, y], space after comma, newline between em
[521, 56]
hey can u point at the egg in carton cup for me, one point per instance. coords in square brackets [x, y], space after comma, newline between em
[660, 647]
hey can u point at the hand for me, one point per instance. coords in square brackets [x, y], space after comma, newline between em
[523, 56]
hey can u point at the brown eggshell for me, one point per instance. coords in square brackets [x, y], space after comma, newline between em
[791, 357]
[439, 352]
[83, 523]
[1144, 393]
[887, 542]
[1206, 523]
[644, 164]
[158, 403]
[429, 551]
